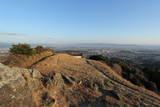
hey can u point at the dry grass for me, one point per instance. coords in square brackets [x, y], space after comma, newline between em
[79, 68]
[112, 74]
[85, 73]
[25, 61]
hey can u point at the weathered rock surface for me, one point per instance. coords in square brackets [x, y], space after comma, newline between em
[16, 86]
[65, 81]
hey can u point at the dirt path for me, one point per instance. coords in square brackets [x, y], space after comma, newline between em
[40, 60]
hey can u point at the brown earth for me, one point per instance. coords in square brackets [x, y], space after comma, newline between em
[66, 81]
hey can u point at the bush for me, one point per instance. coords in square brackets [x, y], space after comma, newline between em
[26, 49]
[22, 49]
[40, 49]
[100, 58]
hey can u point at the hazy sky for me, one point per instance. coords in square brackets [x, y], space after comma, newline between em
[80, 21]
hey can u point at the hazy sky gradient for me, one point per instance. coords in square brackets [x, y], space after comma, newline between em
[80, 21]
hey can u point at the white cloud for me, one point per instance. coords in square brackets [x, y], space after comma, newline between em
[11, 34]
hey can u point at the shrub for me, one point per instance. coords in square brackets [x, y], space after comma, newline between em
[40, 49]
[26, 49]
[22, 49]
[100, 58]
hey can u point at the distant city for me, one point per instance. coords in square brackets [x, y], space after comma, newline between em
[133, 54]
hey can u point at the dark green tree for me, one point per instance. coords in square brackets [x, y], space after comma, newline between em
[22, 49]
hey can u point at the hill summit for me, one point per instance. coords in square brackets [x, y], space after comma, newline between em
[62, 80]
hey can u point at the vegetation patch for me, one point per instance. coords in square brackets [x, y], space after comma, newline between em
[26, 49]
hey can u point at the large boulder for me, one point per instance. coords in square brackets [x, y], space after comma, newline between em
[17, 85]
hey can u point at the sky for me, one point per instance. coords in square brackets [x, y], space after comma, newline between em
[80, 21]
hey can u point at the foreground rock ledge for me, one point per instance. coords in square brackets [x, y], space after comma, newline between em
[91, 84]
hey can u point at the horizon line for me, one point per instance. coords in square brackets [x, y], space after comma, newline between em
[93, 43]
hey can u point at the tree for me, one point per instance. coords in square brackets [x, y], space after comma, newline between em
[22, 49]
[101, 58]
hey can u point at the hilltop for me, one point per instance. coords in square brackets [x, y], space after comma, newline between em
[23, 55]
[62, 80]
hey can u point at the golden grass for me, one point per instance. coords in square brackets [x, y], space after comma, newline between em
[25, 61]
[79, 68]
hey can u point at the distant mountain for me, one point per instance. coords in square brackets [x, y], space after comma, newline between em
[5, 45]
[92, 45]
[103, 45]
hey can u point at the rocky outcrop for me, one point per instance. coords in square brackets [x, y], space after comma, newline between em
[16, 86]
[65, 81]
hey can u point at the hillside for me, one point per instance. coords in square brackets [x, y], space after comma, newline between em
[148, 78]
[25, 61]
[65, 81]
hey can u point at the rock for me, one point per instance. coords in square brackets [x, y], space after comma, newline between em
[13, 89]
